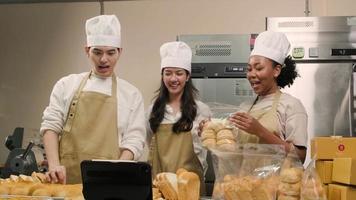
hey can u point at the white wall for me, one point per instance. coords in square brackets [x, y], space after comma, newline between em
[39, 43]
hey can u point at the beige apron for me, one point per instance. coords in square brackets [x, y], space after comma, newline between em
[267, 118]
[170, 151]
[90, 131]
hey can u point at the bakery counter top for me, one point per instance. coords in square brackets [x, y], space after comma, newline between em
[22, 197]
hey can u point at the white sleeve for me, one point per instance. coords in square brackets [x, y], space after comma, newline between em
[134, 135]
[54, 115]
[296, 124]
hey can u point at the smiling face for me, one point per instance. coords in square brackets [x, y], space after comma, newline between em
[104, 59]
[262, 75]
[174, 79]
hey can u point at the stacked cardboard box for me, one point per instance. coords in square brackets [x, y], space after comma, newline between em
[336, 165]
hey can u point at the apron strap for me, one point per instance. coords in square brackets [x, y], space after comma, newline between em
[274, 104]
[73, 105]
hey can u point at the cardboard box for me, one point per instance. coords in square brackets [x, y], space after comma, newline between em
[341, 192]
[325, 170]
[328, 148]
[344, 171]
[326, 188]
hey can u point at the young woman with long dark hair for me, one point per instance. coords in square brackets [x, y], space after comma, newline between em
[174, 116]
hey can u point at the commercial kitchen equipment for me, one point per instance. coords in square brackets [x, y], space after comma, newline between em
[219, 66]
[324, 49]
[19, 160]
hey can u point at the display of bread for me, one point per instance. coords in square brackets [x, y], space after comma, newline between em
[182, 185]
[245, 188]
[290, 183]
[218, 133]
[36, 185]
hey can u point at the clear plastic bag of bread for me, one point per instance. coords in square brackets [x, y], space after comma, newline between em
[290, 177]
[312, 187]
[262, 162]
[217, 132]
[248, 173]
[226, 166]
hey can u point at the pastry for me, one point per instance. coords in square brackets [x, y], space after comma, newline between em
[261, 192]
[208, 134]
[211, 143]
[291, 189]
[225, 134]
[214, 125]
[291, 175]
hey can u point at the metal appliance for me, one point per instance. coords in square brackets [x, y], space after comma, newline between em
[219, 66]
[19, 161]
[324, 49]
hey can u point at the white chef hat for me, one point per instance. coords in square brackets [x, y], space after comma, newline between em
[272, 45]
[176, 54]
[103, 30]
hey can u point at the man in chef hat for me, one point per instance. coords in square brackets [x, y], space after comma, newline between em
[95, 114]
[274, 117]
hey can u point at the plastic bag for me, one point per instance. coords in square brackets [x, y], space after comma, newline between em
[222, 111]
[218, 132]
[312, 187]
[290, 177]
[248, 173]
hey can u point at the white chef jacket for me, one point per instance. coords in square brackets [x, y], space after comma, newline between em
[292, 116]
[203, 112]
[131, 117]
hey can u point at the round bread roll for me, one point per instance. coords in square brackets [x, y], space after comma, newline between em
[291, 175]
[227, 147]
[208, 134]
[211, 143]
[225, 141]
[290, 189]
[286, 197]
[225, 134]
[216, 126]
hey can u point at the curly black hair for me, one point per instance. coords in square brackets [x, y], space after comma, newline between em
[288, 73]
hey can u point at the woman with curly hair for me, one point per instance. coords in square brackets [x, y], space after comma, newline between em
[274, 117]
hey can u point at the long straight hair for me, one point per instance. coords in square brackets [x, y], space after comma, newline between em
[188, 107]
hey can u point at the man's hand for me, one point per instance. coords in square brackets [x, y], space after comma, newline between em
[56, 174]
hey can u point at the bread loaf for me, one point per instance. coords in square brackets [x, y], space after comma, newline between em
[33, 186]
[188, 186]
[182, 185]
